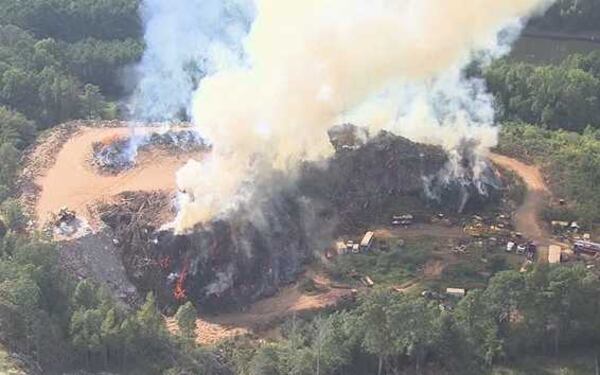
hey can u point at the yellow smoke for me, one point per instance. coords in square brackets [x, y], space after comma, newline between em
[312, 61]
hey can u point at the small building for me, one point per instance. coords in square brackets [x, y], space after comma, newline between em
[554, 254]
[367, 241]
[456, 292]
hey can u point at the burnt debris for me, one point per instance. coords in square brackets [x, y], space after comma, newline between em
[262, 244]
[118, 154]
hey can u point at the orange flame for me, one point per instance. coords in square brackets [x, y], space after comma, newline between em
[180, 293]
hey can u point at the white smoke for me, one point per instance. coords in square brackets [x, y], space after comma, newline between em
[185, 40]
[395, 64]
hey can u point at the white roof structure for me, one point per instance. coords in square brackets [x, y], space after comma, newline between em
[554, 252]
[456, 292]
[366, 241]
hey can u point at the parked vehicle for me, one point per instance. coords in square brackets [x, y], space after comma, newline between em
[510, 246]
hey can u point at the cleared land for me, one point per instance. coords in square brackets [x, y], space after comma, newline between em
[260, 315]
[527, 217]
[71, 181]
[66, 178]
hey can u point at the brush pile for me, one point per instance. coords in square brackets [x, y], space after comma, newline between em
[133, 218]
[118, 154]
[112, 155]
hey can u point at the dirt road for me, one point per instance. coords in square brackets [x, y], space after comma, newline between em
[527, 217]
[289, 300]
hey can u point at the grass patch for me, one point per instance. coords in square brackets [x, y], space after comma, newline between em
[396, 266]
[310, 287]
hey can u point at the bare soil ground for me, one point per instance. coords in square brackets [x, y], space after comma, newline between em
[72, 182]
[258, 316]
[57, 173]
[527, 217]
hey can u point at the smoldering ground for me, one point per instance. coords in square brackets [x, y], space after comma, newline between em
[263, 242]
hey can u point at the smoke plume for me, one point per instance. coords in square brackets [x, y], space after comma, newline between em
[309, 64]
[185, 41]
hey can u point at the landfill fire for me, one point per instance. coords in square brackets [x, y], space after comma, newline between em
[264, 242]
[278, 75]
[309, 65]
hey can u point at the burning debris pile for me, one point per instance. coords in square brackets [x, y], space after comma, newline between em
[261, 243]
[364, 179]
[117, 154]
[112, 155]
[229, 261]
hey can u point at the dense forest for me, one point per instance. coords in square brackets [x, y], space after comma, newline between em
[571, 160]
[65, 59]
[565, 96]
[517, 314]
[60, 60]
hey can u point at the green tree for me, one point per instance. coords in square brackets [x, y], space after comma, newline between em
[85, 296]
[186, 320]
[12, 214]
[8, 169]
[148, 316]
[265, 362]
[378, 337]
[92, 102]
[15, 129]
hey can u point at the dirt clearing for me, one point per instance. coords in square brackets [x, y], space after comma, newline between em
[527, 219]
[258, 317]
[72, 182]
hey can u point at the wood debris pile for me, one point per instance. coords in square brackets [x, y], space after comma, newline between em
[118, 154]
